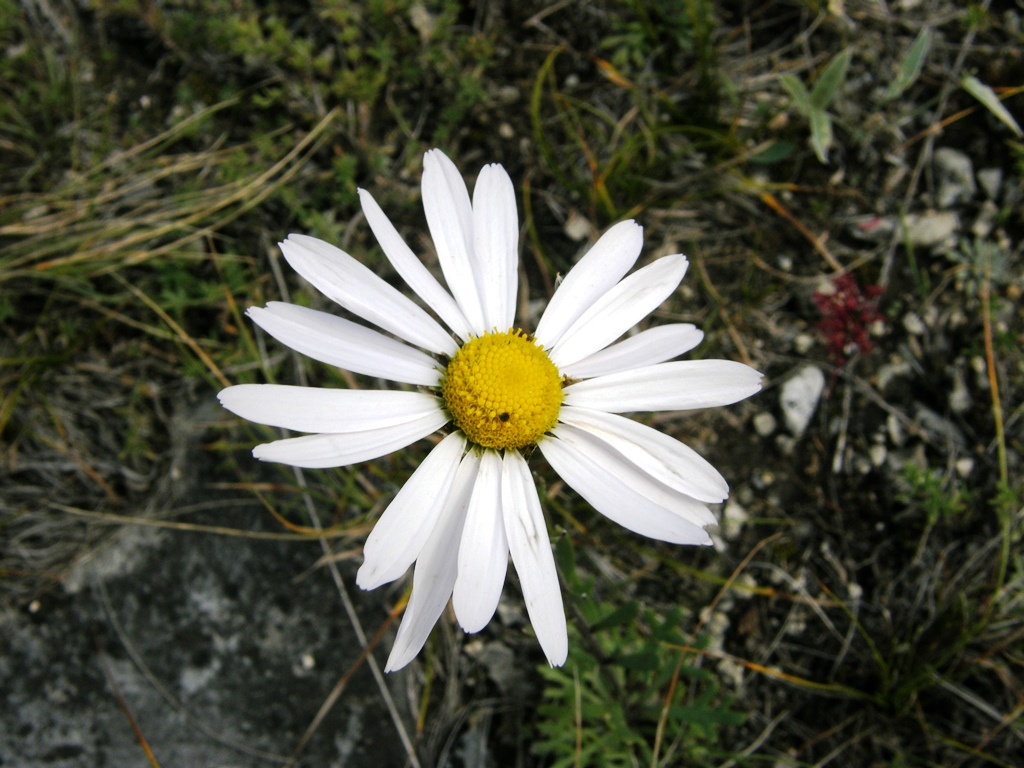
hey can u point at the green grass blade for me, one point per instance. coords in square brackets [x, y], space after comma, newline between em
[910, 68]
[830, 80]
[987, 96]
[798, 92]
[821, 134]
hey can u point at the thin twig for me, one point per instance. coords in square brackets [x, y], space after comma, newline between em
[107, 673]
[115, 519]
[182, 334]
[756, 744]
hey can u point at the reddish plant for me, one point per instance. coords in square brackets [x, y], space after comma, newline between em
[847, 313]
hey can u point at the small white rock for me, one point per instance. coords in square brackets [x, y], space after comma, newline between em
[991, 181]
[765, 424]
[960, 399]
[786, 444]
[926, 230]
[508, 94]
[422, 21]
[986, 221]
[785, 762]
[799, 398]
[889, 372]
[913, 324]
[803, 343]
[716, 625]
[733, 518]
[877, 455]
[932, 229]
[577, 227]
[731, 671]
[897, 435]
[955, 173]
[937, 424]
[744, 586]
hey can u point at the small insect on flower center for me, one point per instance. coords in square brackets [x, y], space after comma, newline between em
[502, 390]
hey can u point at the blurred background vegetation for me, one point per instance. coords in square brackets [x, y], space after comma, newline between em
[865, 604]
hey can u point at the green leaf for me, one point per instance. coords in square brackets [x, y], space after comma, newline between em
[646, 660]
[830, 80]
[707, 715]
[696, 673]
[988, 97]
[798, 92]
[624, 614]
[910, 67]
[566, 559]
[775, 152]
[821, 134]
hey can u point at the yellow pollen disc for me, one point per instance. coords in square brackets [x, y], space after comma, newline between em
[502, 390]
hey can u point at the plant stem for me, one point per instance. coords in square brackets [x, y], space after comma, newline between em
[990, 360]
[997, 416]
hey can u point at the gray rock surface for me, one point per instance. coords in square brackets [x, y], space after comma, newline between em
[220, 652]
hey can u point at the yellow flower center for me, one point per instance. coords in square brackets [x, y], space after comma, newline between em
[502, 390]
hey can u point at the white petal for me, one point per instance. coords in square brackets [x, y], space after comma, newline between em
[435, 159]
[450, 219]
[312, 409]
[337, 341]
[619, 467]
[531, 553]
[600, 268]
[399, 535]
[319, 451]
[436, 568]
[619, 309]
[615, 490]
[654, 345]
[483, 553]
[678, 386]
[344, 280]
[496, 243]
[412, 270]
[662, 457]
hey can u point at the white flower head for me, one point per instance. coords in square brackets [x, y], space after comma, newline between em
[497, 391]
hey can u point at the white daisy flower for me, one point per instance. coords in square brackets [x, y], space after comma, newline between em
[496, 391]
